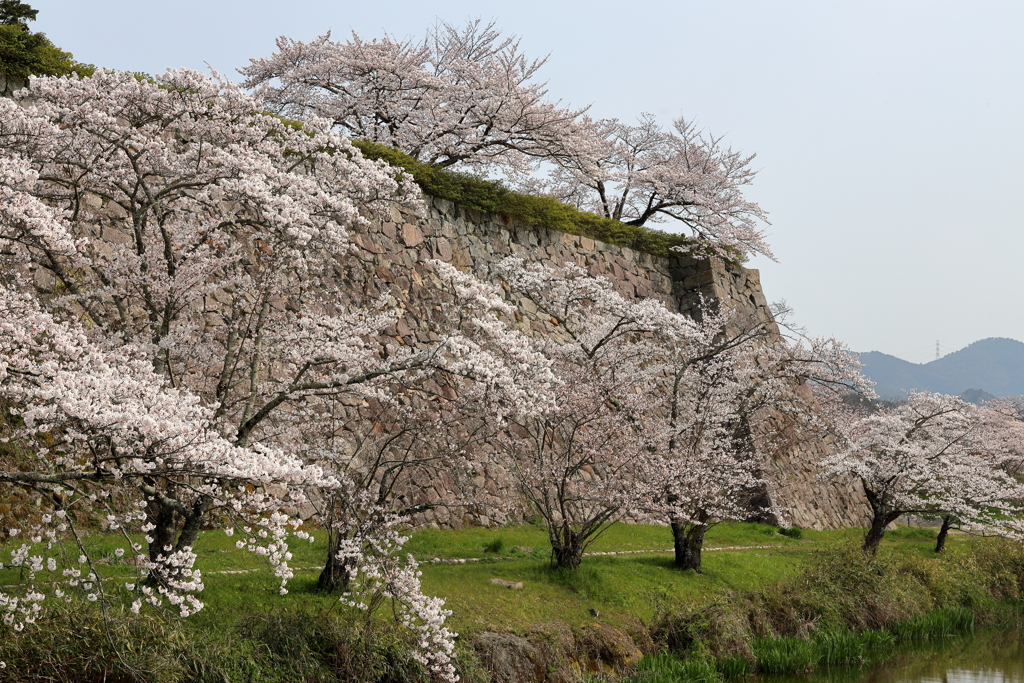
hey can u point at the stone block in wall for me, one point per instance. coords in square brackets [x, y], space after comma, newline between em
[411, 235]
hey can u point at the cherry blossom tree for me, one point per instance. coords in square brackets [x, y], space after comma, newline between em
[89, 424]
[659, 415]
[583, 461]
[464, 96]
[100, 424]
[467, 96]
[729, 379]
[379, 577]
[380, 448]
[100, 421]
[425, 430]
[174, 324]
[642, 173]
[710, 464]
[1003, 423]
[933, 454]
[200, 224]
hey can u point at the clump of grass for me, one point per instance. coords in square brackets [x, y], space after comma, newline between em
[585, 580]
[73, 643]
[792, 532]
[794, 655]
[784, 655]
[838, 647]
[667, 668]
[318, 646]
[942, 623]
[70, 643]
[835, 647]
[733, 666]
[494, 546]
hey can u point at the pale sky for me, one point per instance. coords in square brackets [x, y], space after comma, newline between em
[889, 133]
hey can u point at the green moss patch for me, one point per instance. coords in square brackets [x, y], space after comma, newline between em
[493, 197]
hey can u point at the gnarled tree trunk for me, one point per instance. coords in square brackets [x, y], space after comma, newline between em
[688, 540]
[566, 548]
[334, 578]
[177, 527]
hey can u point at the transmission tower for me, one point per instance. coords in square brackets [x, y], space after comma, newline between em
[936, 349]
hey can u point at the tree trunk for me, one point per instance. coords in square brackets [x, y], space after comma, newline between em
[334, 578]
[166, 522]
[193, 523]
[173, 530]
[688, 540]
[566, 548]
[940, 542]
[882, 516]
[879, 522]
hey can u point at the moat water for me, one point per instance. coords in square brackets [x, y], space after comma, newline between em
[984, 658]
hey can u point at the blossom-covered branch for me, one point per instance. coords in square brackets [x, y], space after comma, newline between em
[461, 96]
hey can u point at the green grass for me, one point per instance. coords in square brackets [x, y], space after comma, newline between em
[747, 606]
[666, 668]
[621, 587]
[634, 585]
[477, 542]
[942, 623]
[837, 647]
[784, 655]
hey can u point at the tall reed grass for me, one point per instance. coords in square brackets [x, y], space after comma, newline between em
[825, 648]
[667, 668]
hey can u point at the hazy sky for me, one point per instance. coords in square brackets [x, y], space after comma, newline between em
[889, 134]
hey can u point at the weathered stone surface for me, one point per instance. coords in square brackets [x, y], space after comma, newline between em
[476, 242]
[411, 235]
[10, 84]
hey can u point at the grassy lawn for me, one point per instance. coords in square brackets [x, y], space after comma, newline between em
[248, 632]
[622, 588]
[477, 542]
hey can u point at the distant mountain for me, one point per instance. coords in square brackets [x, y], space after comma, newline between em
[976, 396]
[994, 366]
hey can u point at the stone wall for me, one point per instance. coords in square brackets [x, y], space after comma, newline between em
[10, 84]
[471, 240]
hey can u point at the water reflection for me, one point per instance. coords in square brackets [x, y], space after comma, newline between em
[986, 658]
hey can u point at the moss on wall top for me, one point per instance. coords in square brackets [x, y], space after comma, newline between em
[493, 197]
